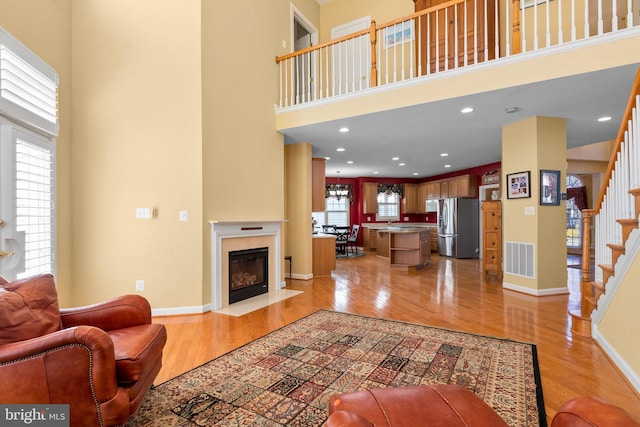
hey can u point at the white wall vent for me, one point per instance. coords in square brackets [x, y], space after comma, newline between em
[519, 259]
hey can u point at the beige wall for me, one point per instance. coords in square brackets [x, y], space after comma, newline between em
[619, 325]
[45, 28]
[243, 155]
[137, 142]
[340, 12]
[531, 145]
[298, 171]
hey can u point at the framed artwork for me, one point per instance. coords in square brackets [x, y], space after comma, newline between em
[398, 34]
[549, 188]
[518, 185]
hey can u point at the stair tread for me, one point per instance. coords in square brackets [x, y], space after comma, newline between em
[606, 267]
[578, 314]
[629, 221]
[616, 246]
[598, 285]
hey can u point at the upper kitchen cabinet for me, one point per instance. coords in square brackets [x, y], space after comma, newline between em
[466, 186]
[423, 195]
[433, 190]
[369, 197]
[410, 199]
[318, 192]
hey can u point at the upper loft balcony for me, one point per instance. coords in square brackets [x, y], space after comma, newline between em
[456, 49]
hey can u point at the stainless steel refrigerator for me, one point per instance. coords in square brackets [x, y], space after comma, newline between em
[458, 232]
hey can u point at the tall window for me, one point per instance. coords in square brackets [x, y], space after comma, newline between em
[336, 213]
[34, 206]
[388, 207]
[574, 216]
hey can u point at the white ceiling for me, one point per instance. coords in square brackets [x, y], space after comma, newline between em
[419, 134]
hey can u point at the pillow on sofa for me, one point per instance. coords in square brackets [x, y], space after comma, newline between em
[28, 308]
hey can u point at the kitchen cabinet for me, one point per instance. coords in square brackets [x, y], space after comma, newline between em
[409, 249]
[410, 199]
[492, 239]
[324, 254]
[433, 190]
[422, 196]
[368, 238]
[444, 189]
[466, 186]
[369, 197]
[318, 192]
[455, 34]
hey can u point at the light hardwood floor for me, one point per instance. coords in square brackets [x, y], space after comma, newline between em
[448, 293]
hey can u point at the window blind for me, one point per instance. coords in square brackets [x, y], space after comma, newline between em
[34, 206]
[28, 86]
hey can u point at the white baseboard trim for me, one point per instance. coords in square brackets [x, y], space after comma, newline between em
[301, 276]
[180, 310]
[627, 371]
[535, 292]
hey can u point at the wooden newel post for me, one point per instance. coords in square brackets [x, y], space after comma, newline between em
[516, 44]
[585, 287]
[374, 59]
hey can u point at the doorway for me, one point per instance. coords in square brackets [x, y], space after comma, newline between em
[351, 58]
[303, 35]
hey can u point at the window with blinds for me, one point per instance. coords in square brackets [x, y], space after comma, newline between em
[34, 182]
[336, 213]
[28, 87]
[388, 207]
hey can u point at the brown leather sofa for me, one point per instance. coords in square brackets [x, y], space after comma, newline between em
[100, 359]
[453, 406]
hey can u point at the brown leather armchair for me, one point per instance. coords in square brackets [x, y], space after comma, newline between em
[100, 359]
[453, 405]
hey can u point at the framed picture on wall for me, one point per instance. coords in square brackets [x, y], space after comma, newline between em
[518, 185]
[549, 188]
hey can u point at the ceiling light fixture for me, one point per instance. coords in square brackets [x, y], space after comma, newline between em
[344, 130]
[447, 166]
[338, 191]
[340, 149]
[512, 110]
[604, 119]
[395, 158]
[466, 110]
[416, 174]
[376, 173]
[444, 154]
[327, 158]
[401, 164]
[350, 162]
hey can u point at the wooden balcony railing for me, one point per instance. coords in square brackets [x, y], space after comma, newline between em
[614, 216]
[449, 36]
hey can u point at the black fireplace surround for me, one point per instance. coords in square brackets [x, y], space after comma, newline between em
[248, 273]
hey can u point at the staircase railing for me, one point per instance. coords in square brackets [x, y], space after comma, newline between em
[614, 215]
[454, 34]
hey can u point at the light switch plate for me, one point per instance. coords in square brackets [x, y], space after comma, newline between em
[144, 213]
[184, 216]
[529, 210]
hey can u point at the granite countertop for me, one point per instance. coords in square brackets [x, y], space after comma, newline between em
[399, 226]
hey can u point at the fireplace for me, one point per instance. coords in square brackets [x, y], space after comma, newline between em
[248, 273]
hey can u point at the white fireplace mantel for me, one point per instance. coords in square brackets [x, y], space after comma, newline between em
[221, 230]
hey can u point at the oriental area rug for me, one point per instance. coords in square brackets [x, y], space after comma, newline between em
[287, 377]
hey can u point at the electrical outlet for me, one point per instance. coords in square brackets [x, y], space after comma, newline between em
[406, 218]
[139, 285]
[144, 213]
[184, 216]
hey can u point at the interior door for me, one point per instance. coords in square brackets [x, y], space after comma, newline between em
[304, 70]
[27, 227]
[351, 59]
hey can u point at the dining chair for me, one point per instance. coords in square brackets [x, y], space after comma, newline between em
[352, 240]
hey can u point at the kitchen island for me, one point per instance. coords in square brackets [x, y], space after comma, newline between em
[406, 247]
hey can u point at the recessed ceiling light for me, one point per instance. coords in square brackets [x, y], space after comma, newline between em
[416, 174]
[344, 130]
[376, 173]
[395, 158]
[447, 166]
[444, 154]
[512, 110]
[466, 110]
[327, 158]
[340, 149]
[604, 119]
[401, 164]
[350, 162]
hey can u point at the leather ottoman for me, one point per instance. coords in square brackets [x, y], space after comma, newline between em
[428, 405]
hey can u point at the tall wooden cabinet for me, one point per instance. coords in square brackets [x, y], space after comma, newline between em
[456, 32]
[492, 239]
